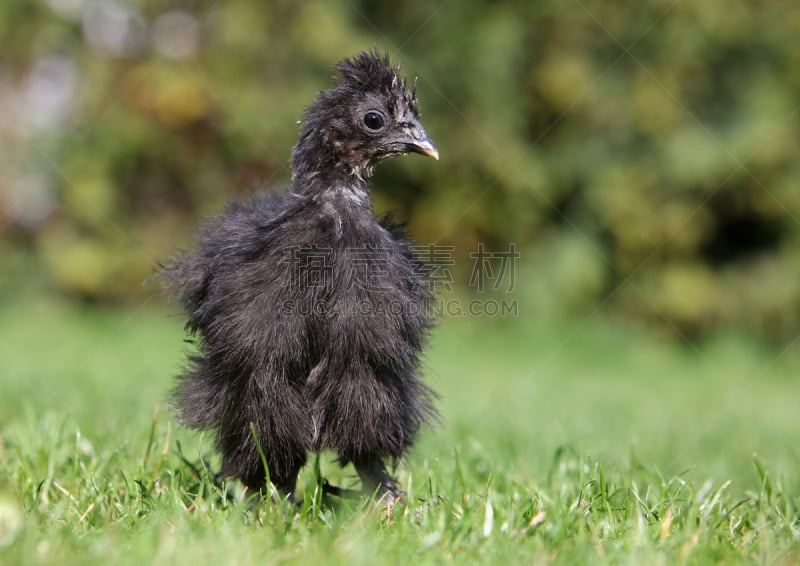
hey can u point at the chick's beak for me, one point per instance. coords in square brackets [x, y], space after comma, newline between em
[418, 141]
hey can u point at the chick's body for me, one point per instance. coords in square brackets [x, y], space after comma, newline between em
[310, 312]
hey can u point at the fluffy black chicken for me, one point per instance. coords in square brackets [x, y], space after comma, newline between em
[310, 312]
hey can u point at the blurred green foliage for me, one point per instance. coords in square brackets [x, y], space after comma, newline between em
[644, 155]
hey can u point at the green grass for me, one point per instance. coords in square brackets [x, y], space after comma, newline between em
[573, 444]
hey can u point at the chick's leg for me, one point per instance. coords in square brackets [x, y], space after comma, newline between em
[375, 478]
[283, 474]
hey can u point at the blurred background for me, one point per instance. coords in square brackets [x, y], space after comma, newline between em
[641, 156]
[618, 194]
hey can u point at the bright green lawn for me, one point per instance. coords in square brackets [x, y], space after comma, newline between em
[575, 444]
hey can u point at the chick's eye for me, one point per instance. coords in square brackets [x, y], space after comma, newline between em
[373, 120]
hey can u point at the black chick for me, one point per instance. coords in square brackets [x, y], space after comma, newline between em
[310, 312]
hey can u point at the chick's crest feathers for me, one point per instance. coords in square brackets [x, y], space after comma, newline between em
[369, 71]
